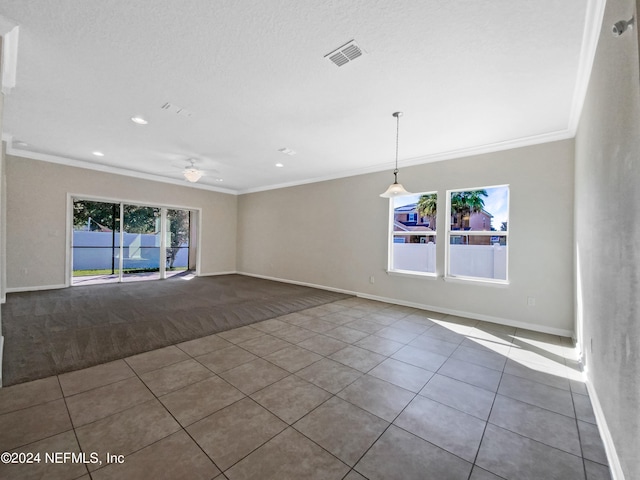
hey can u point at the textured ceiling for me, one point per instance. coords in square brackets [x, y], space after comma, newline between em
[469, 76]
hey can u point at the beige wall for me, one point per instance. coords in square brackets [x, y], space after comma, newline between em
[608, 235]
[37, 212]
[2, 224]
[334, 234]
[3, 202]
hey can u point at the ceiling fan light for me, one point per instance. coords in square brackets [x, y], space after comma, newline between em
[192, 174]
[394, 190]
[139, 120]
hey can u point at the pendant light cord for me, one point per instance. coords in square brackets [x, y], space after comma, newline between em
[397, 115]
[395, 188]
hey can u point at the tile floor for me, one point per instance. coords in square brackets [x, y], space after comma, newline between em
[349, 390]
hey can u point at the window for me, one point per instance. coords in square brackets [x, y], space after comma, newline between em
[412, 235]
[477, 233]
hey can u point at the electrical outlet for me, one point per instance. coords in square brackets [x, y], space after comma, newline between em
[372, 279]
[531, 301]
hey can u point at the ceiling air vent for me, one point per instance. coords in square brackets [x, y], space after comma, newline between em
[345, 54]
[170, 107]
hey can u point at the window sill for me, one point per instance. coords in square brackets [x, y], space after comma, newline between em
[478, 281]
[412, 274]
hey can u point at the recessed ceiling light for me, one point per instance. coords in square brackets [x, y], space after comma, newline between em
[139, 120]
[219, 180]
[98, 154]
[21, 144]
[279, 165]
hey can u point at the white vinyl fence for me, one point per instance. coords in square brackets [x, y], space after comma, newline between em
[415, 257]
[482, 261]
[93, 251]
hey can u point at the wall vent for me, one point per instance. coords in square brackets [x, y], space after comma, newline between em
[345, 54]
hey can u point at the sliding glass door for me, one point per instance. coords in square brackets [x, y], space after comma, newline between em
[96, 242]
[141, 243]
[153, 243]
[178, 238]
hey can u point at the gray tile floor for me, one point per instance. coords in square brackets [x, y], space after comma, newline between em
[349, 390]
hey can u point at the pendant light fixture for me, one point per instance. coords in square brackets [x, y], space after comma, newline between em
[396, 189]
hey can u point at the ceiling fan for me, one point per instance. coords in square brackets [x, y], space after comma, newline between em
[191, 173]
[192, 167]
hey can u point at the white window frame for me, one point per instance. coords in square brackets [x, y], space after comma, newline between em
[392, 234]
[489, 233]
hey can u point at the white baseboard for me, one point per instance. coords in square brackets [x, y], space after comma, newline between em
[35, 289]
[476, 316]
[605, 434]
[56, 287]
[213, 274]
[448, 311]
[303, 284]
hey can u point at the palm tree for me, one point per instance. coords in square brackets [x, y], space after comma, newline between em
[427, 207]
[474, 200]
[466, 203]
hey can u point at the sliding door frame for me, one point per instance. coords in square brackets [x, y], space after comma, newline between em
[195, 223]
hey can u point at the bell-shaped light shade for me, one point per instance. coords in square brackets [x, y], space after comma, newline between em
[395, 190]
[192, 174]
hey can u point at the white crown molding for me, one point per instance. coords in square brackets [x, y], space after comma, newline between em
[9, 32]
[590, 37]
[69, 162]
[450, 155]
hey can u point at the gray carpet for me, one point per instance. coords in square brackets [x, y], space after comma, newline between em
[56, 331]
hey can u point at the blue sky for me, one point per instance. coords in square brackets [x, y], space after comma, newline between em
[496, 203]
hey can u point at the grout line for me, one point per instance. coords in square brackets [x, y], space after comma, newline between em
[182, 428]
[484, 431]
[584, 465]
[364, 317]
[334, 395]
[73, 428]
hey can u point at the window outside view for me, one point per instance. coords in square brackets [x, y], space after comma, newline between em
[413, 243]
[478, 230]
[96, 242]
[476, 237]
